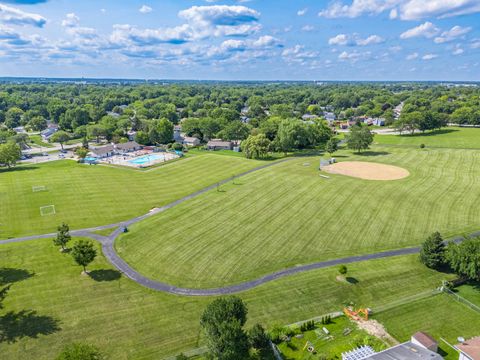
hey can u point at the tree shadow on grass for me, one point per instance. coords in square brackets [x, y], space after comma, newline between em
[373, 153]
[18, 168]
[25, 323]
[12, 275]
[351, 280]
[105, 275]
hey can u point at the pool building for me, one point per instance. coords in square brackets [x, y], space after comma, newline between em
[114, 149]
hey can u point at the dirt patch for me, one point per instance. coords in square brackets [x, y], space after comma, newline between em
[374, 328]
[367, 170]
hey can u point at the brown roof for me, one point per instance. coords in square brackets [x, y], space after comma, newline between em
[471, 347]
[425, 339]
[102, 150]
[219, 143]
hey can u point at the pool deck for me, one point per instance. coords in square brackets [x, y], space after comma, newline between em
[126, 160]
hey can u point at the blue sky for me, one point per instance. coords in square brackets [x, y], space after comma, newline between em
[244, 40]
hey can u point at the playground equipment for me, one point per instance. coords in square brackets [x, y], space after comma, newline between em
[357, 315]
[309, 347]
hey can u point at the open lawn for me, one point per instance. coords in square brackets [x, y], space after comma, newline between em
[52, 304]
[470, 292]
[37, 140]
[86, 196]
[451, 137]
[441, 316]
[288, 215]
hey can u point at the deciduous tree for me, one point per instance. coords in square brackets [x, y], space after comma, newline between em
[83, 252]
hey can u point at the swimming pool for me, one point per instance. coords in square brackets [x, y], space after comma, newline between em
[146, 159]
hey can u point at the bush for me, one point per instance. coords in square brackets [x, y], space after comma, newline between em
[422, 146]
[78, 351]
[342, 269]
[181, 357]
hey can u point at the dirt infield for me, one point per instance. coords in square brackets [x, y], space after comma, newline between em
[367, 170]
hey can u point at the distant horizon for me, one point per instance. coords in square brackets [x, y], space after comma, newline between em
[173, 80]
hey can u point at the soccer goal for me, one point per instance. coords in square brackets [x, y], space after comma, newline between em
[39, 188]
[47, 210]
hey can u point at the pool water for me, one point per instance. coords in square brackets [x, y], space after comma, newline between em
[145, 159]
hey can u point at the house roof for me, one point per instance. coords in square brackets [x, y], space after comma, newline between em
[219, 143]
[190, 139]
[102, 150]
[424, 339]
[405, 351]
[130, 145]
[470, 347]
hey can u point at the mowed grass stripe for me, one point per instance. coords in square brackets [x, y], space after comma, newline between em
[287, 215]
[86, 196]
[128, 321]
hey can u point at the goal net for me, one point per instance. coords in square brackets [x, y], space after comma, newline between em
[47, 210]
[39, 188]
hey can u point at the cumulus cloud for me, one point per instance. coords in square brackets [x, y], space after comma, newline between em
[355, 39]
[16, 16]
[426, 29]
[354, 56]
[458, 51]
[145, 9]
[412, 56]
[302, 12]
[308, 28]
[219, 15]
[72, 25]
[429, 56]
[124, 34]
[452, 34]
[402, 9]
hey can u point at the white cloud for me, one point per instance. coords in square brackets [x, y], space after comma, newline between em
[412, 56]
[145, 9]
[302, 12]
[71, 20]
[355, 39]
[402, 9]
[372, 39]
[475, 44]
[340, 39]
[429, 56]
[266, 41]
[16, 16]
[452, 34]
[354, 56]
[426, 29]
[308, 28]
[458, 51]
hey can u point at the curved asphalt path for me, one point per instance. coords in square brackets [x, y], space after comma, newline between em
[109, 252]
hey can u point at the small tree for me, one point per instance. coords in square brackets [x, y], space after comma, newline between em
[84, 253]
[9, 154]
[79, 351]
[81, 153]
[342, 269]
[432, 253]
[331, 146]
[63, 236]
[360, 138]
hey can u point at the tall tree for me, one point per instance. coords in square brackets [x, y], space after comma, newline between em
[432, 253]
[256, 146]
[84, 253]
[222, 322]
[360, 138]
[331, 146]
[10, 153]
[260, 341]
[165, 131]
[464, 258]
[61, 137]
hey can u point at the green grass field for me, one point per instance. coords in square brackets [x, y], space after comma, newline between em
[86, 196]
[471, 292]
[441, 316]
[37, 140]
[451, 137]
[287, 215]
[130, 322]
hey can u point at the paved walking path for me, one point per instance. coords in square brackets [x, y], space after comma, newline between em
[109, 252]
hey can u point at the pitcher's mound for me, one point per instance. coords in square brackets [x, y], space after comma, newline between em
[367, 170]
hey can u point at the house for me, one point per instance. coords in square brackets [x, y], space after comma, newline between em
[114, 149]
[469, 349]
[177, 136]
[191, 141]
[48, 132]
[423, 339]
[127, 147]
[131, 135]
[329, 116]
[420, 347]
[217, 144]
[103, 151]
[20, 130]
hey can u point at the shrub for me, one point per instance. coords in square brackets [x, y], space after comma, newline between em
[342, 269]
[78, 351]
[422, 146]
